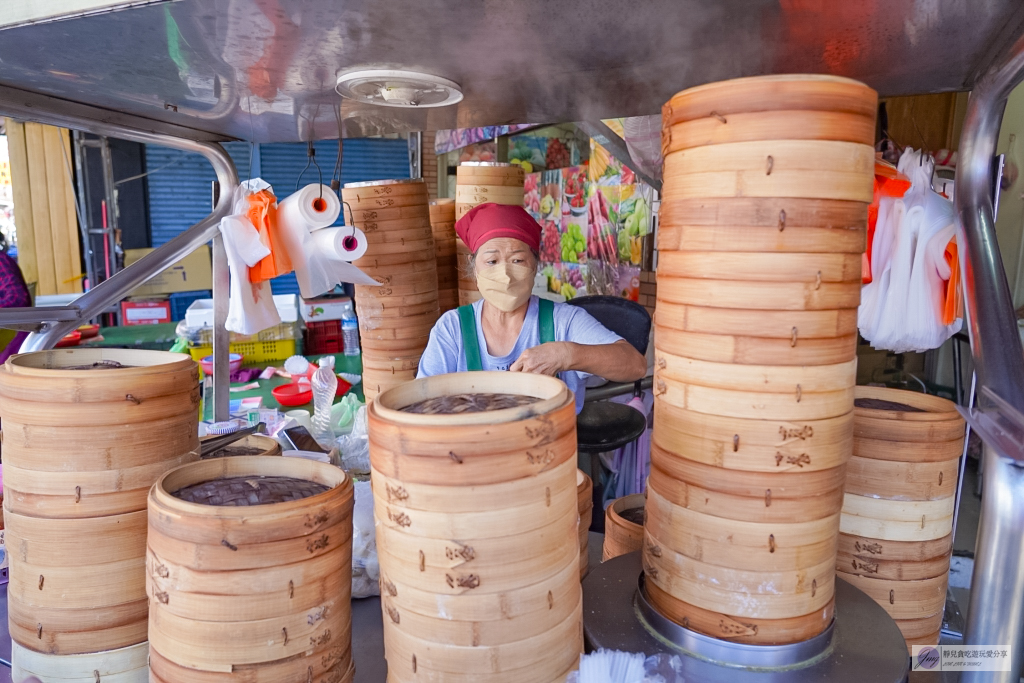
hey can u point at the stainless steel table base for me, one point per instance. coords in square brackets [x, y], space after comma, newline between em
[865, 645]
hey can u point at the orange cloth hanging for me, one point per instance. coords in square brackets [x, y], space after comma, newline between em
[953, 304]
[263, 214]
[888, 183]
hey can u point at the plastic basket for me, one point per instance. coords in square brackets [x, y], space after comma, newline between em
[180, 301]
[254, 352]
[324, 336]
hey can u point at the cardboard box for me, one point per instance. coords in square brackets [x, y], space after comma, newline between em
[145, 312]
[320, 310]
[194, 272]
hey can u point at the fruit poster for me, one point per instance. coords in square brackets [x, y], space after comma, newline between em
[592, 229]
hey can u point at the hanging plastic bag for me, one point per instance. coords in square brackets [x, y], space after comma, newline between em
[903, 308]
[251, 306]
[355, 446]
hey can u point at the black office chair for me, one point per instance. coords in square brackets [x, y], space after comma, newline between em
[603, 425]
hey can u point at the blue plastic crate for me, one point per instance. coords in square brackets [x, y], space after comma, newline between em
[180, 301]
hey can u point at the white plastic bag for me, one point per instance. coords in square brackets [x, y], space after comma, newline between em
[355, 446]
[365, 566]
[901, 309]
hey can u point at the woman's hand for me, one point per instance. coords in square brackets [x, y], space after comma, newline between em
[545, 359]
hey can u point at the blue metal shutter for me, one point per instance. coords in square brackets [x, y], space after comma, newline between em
[180, 188]
[179, 195]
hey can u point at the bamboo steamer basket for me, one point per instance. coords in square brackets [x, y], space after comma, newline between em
[395, 317]
[904, 599]
[478, 520]
[897, 513]
[124, 665]
[766, 187]
[769, 125]
[622, 536]
[882, 559]
[585, 507]
[75, 526]
[238, 589]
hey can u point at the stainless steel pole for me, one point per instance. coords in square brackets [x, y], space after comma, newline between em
[116, 288]
[996, 614]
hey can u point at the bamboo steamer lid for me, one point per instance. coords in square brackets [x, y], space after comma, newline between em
[279, 595]
[622, 536]
[800, 92]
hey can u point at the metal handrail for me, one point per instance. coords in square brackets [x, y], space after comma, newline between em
[996, 614]
[59, 321]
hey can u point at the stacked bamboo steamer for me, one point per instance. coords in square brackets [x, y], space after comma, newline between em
[585, 507]
[249, 575]
[766, 186]
[477, 521]
[86, 433]
[395, 318]
[897, 523]
[442, 223]
[480, 182]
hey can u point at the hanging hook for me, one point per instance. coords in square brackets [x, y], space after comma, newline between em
[311, 159]
[352, 218]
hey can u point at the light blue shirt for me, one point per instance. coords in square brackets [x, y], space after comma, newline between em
[445, 353]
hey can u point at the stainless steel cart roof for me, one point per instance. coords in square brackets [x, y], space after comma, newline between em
[266, 69]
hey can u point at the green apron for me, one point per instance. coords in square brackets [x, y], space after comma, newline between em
[471, 346]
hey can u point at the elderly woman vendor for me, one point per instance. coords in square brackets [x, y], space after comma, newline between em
[511, 330]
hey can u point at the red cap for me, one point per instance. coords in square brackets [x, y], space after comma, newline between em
[488, 221]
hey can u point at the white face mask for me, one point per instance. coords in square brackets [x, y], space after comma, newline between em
[506, 286]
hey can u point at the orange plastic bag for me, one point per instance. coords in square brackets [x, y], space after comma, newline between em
[263, 214]
[888, 183]
[953, 305]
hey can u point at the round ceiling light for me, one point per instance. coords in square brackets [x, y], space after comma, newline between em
[391, 88]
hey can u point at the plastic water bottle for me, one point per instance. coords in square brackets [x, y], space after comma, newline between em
[350, 336]
[325, 385]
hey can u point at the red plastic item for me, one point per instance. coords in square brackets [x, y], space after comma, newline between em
[324, 336]
[291, 395]
[70, 339]
[89, 331]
